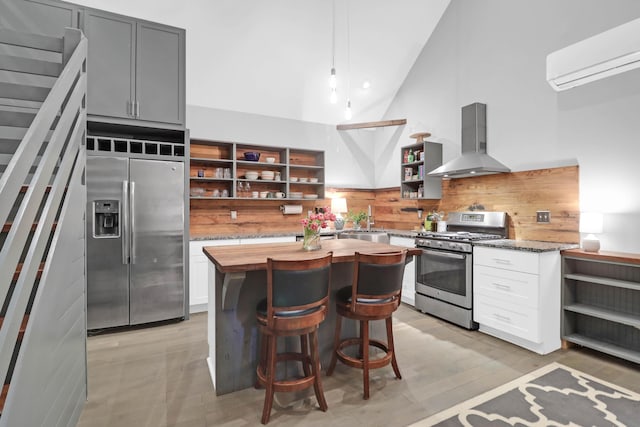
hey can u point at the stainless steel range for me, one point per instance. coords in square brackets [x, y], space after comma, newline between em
[444, 271]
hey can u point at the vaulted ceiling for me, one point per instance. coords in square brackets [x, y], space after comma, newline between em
[274, 57]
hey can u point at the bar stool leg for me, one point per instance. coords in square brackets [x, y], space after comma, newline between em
[315, 366]
[391, 348]
[262, 358]
[336, 343]
[271, 376]
[304, 349]
[364, 332]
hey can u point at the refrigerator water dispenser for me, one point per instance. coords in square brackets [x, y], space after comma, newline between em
[106, 222]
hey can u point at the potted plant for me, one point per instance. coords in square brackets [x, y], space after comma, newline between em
[356, 217]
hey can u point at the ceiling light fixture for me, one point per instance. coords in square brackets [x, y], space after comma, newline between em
[347, 111]
[333, 82]
[366, 84]
[333, 96]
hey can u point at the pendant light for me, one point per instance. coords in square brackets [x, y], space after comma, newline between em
[333, 83]
[347, 111]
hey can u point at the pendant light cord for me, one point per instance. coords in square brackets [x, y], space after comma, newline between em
[333, 35]
[348, 52]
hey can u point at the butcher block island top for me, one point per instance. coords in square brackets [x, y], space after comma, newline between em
[240, 258]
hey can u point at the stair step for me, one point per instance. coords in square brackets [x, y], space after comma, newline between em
[13, 132]
[30, 66]
[23, 92]
[26, 79]
[15, 116]
[33, 41]
[20, 103]
[8, 147]
[19, 270]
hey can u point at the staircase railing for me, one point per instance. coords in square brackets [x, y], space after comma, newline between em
[36, 195]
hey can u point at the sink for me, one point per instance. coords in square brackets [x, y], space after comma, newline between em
[371, 236]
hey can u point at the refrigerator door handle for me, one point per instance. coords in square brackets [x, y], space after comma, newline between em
[132, 221]
[125, 222]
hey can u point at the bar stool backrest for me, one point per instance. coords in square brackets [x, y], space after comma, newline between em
[296, 288]
[378, 278]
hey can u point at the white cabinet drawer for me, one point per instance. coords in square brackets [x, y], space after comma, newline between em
[525, 262]
[519, 321]
[510, 287]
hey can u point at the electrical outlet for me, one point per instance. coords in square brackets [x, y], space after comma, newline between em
[543, 216]
[234, 214]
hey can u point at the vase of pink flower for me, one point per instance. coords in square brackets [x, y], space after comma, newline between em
[312, 226]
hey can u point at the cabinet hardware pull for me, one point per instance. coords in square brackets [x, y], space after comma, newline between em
[502, 261]
[502, 318]
[501, 286]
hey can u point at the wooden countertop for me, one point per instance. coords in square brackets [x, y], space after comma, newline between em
[239, 258]
[624, 257]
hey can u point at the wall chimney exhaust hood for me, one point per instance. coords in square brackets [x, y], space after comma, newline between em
[474, 160]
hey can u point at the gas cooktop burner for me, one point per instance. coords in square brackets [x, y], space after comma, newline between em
[459, 235]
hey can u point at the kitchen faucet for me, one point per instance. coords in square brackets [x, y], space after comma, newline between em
[369, 219]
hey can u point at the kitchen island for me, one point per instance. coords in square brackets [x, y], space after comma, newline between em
[238, 280]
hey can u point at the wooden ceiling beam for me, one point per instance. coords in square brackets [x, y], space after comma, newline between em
[397, 122]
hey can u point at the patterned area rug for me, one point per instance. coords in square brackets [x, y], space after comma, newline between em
[554, 395]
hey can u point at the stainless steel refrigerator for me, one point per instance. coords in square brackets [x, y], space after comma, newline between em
[135, 229]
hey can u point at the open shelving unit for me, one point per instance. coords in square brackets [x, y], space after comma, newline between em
[601, 302]
[413, 174]
[221, 166]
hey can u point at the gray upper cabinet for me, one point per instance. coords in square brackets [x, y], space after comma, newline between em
[43, 17]
[136, 71]
[160, 80]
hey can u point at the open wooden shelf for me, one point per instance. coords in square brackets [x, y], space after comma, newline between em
[601, 302]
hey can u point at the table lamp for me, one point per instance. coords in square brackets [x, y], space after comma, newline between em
[591, 223]
[339, 206]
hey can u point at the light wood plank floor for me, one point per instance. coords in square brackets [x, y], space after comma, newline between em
[158, 377]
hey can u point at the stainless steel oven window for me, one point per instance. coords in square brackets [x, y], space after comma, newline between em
[445, 276]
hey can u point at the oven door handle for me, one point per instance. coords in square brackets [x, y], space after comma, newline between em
[445, 254]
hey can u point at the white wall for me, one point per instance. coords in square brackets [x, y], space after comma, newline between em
[349, 155]
[494, 51]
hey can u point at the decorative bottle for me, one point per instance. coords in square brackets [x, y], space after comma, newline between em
[410, 157]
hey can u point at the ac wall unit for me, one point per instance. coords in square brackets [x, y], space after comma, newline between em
[614, 51]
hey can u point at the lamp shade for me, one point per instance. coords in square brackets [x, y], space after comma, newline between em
[591, 222]
[339, 205]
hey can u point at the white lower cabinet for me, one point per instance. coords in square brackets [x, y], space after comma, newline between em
[198, 272]
[198, 266]
[409, 279]
[516, 296]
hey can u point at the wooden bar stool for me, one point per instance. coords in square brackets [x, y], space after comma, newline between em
[296, 304]
[373, 295]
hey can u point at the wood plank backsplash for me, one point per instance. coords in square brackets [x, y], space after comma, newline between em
[520, 194]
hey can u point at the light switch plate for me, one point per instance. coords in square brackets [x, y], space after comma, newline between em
[543, 216]
[234, 214]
